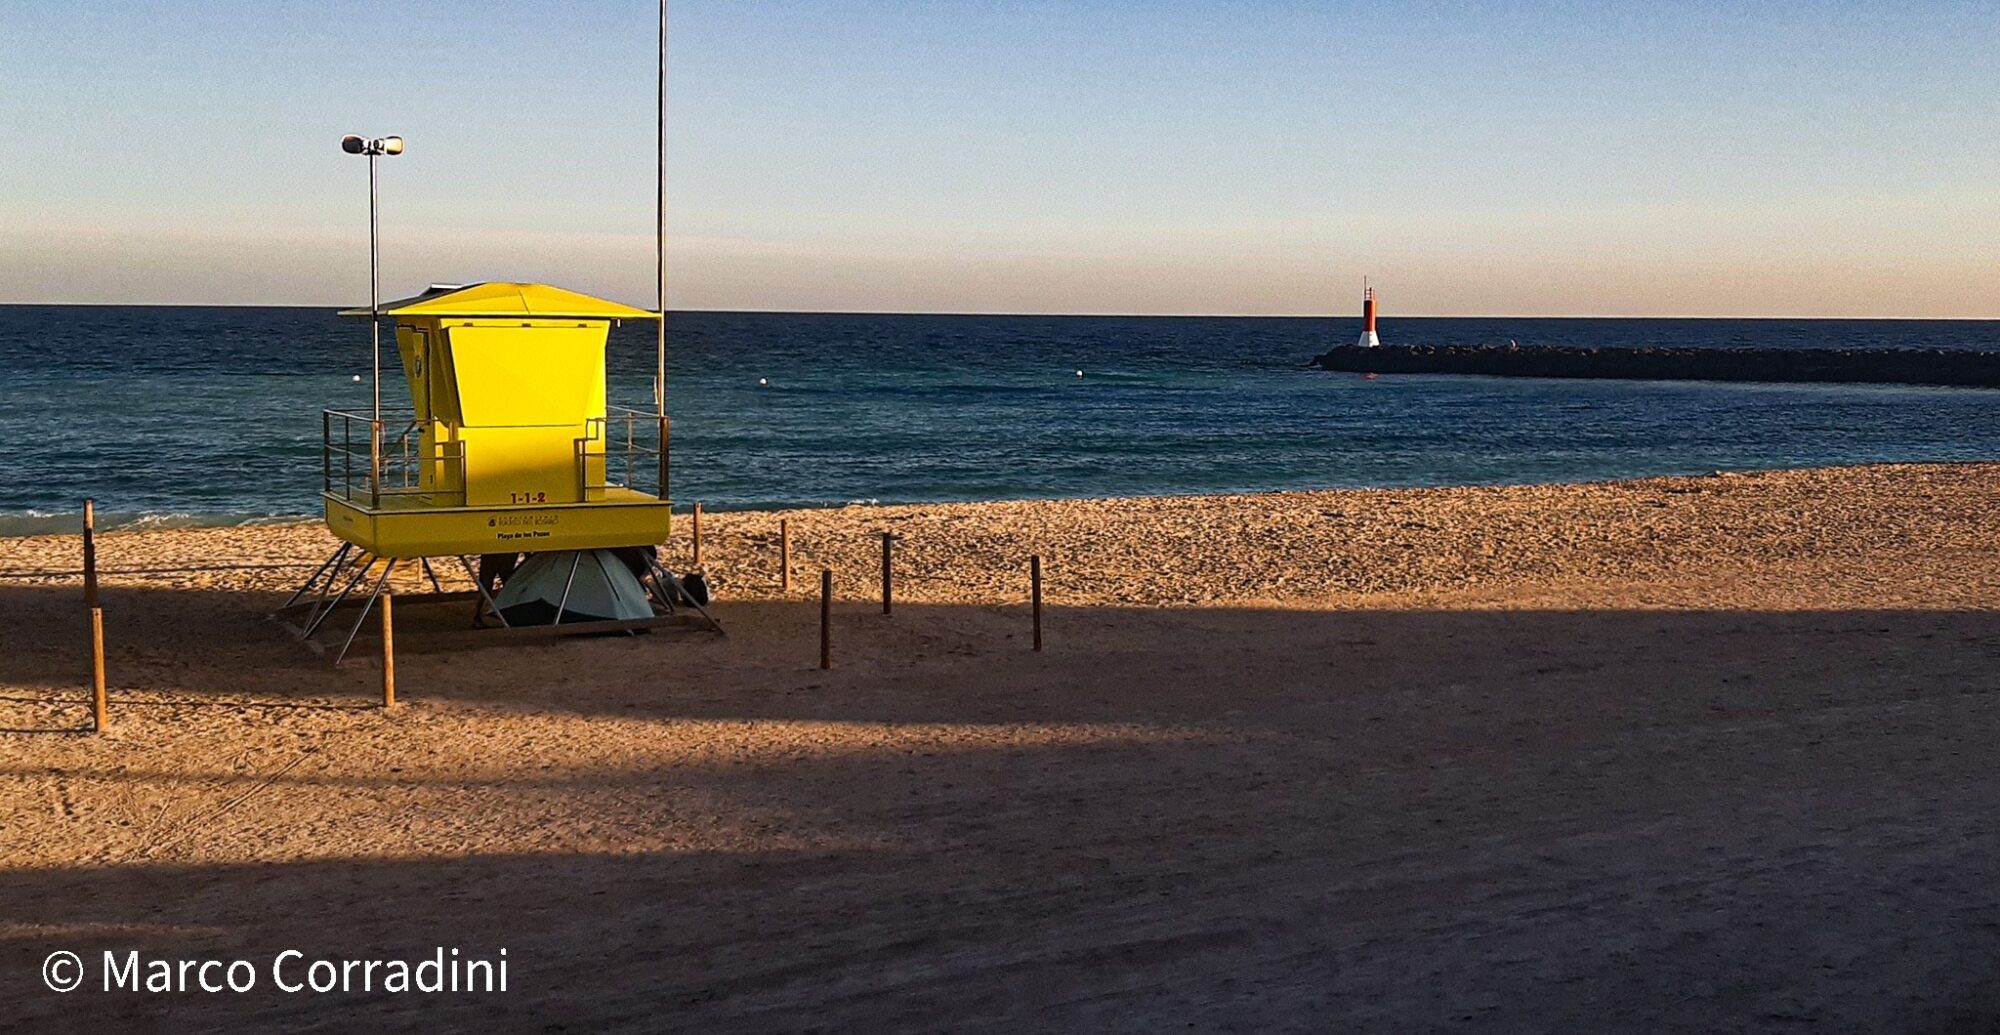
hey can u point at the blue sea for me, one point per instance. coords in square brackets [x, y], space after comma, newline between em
[195, 415]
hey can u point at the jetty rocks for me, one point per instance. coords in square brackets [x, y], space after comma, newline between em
[1883, 366]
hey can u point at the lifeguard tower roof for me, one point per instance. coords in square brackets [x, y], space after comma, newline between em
[507, 298]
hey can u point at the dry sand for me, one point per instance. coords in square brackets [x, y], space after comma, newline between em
[1688, 754]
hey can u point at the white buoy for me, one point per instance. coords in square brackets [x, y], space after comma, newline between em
[357, 377]
[763, 380]
[1079, 373]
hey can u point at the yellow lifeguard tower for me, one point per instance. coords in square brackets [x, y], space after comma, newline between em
[509, 444]
[508, 447]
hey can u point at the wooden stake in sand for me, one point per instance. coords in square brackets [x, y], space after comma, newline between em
[388, 650]
[887, 592]
[99, 717]
[697, 536]
[826, 618]
[98, 704]
[785, 555]
[1035, 594]
[90, 553]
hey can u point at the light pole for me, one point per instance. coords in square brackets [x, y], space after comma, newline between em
[374, 148]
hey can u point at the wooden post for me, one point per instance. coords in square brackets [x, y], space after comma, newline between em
[99, 717]
[826, 618]
[98, 704]
[90, 553]
[1035, 592]
[785, 555]
[388, 649]
[697, 536]
[887, 592]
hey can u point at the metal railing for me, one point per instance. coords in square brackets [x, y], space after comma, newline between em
[365, 459]
[625, 448]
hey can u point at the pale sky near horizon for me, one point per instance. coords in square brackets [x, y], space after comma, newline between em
[1702, 159]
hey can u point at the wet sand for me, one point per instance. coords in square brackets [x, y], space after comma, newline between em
[1688, 754]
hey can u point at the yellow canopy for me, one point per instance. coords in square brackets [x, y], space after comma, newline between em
[504, 298]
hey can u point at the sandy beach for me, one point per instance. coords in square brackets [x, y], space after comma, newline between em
[1680, 754]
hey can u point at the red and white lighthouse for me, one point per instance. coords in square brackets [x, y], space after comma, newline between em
[1368, 338]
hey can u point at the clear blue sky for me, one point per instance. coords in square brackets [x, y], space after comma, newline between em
[1227, 157]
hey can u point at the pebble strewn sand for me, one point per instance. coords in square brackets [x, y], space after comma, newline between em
[1707, 753]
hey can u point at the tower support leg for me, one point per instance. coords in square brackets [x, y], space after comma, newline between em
[388, 565]
[360, 565]
[466, 563]
[332, 564]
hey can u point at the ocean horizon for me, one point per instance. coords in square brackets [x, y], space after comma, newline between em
[209, 415]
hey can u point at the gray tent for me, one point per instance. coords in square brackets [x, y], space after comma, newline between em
[584, 585]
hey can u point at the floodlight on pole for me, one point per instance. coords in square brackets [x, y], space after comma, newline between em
[374, 148]
[360, 145]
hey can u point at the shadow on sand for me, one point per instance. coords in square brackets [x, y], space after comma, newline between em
[1410, 821]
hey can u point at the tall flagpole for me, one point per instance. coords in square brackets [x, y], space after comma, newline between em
[660, 230]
